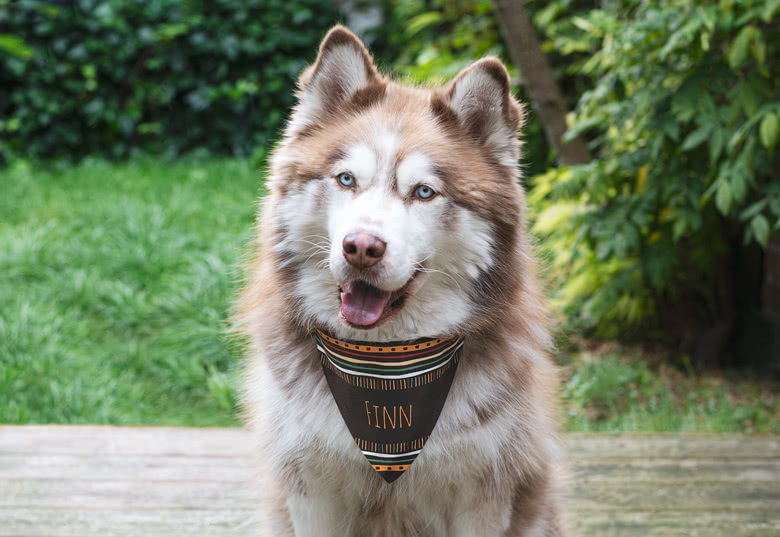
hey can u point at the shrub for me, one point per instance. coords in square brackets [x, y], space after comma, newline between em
[661, 235]
[107, 76]
[661, 231]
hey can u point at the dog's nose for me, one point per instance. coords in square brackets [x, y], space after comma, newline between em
[363, 250]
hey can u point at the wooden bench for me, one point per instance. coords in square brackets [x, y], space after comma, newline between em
[164, 481]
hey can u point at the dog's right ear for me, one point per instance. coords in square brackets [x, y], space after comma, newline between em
[481, 98]
[343, 67]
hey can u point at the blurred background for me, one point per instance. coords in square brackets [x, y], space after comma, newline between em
[133, 136]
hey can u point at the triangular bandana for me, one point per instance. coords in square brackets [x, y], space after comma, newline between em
[390, 394]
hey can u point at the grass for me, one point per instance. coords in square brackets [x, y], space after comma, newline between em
[114, 284]
[630, 391]
[115, 287]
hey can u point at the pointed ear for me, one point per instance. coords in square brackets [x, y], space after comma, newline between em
[481, 99]
[343, 67]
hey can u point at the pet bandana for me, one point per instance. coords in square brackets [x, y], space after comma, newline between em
[390, 394]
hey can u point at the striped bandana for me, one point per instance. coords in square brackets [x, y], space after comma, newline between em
[389, 394]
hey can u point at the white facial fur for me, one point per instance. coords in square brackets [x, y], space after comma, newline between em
[319, 215]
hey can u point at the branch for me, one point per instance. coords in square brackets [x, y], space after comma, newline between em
[546, 97]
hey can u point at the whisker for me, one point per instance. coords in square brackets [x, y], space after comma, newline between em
[445, 273]
[424, 259]
[325, 250]
[323, 237]
[315, 244]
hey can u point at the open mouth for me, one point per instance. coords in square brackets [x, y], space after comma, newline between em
[365, 306]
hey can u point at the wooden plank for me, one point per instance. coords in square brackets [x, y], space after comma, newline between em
[172, 441]
[671, 471]
[84, 522]
[599, 496]
[49, 522]
[649, 496]
[184, 441]
[147, 468]
[74, 494]
[688, 446]
[676, 524]
[236, 469]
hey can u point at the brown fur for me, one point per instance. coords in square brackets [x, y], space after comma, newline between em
[506, 341]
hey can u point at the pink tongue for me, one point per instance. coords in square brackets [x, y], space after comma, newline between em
[362, 304]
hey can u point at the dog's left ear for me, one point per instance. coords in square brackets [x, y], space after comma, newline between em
[343, 67]
[481, 98]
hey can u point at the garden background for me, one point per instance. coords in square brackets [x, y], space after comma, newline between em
[133, 136]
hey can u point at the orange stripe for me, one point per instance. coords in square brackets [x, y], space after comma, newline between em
[382, 348]
[396, 468]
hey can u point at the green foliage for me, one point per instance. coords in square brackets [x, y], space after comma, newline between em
[614, 393]
[115, 292]
[439, 38]
[107, 76]
[683, 117]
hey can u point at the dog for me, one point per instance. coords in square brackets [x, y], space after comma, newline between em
[395, 213]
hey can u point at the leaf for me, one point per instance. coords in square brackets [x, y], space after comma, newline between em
[583, 24]
[769, 131]
[15, 46]
[760, 228]
[723, 197]
[717, 141]
[753, 209]
[641, 178]
[672, 129]
[759, 50]
[738, 187]
[554, 217]
[696, 137]
[679, 228]
[421, 21]
[739, 47]
[770, 7]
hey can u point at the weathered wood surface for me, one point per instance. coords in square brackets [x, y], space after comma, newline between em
[161, 481]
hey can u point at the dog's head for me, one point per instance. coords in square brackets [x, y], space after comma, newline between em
[395, 211]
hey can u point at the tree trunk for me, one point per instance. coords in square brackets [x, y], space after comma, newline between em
[546, 98]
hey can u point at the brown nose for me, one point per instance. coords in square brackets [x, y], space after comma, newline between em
[363, 250]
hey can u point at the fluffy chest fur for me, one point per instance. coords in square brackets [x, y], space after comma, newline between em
[483, 437]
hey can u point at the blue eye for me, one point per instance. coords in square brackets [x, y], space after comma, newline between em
[346, 179]
[424, 192]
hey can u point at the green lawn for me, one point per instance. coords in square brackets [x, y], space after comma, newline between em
[625, 390]
[115, 281]
[115, 286]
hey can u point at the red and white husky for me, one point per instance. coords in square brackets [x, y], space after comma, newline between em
[395, 213]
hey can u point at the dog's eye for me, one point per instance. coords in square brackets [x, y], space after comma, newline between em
[424, 192]
[346, 179]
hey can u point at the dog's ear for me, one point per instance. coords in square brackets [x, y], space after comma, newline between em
[481, 98]
[343, 67]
